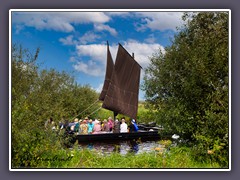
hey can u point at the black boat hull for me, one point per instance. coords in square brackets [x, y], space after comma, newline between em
[118, 136]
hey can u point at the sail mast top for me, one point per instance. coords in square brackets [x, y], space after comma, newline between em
[130, 55]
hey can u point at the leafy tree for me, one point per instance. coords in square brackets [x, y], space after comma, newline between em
[188, 83]
[36, 96]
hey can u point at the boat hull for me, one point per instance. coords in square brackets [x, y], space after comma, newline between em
[118, 136]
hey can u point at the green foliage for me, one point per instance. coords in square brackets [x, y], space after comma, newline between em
[175, 158]
[145, 114]
[36, 96]
[187, 84]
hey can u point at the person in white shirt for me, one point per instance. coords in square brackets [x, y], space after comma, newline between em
[123, 126]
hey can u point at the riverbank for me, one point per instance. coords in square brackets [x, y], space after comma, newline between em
[176, 157]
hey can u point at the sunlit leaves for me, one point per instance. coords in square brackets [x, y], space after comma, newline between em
[188, 85]
[36, 96]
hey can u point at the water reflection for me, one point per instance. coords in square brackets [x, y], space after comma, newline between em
[122, 147]
[133, 146]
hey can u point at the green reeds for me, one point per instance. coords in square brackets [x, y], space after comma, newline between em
[177, 157]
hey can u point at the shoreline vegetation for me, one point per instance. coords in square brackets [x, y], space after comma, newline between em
[186, 93]
[176, 158]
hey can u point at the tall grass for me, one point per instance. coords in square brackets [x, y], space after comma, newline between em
[177, 157]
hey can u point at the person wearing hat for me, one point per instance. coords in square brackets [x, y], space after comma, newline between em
[80, 123]
[86, 118]
[90, 126]
[116, 126]
[76, 125]
[84, 127]
[97, 127]
[105, 126]
[123, 126]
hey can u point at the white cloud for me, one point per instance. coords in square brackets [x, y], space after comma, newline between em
[103, 27]
[58, 21]
[18, 28]
[68, 40]
[72, 59]
[151, 39]
[88, 37]
[142, 51]
[65, 21]
[159, 20]
[90, 68]
[97, 53]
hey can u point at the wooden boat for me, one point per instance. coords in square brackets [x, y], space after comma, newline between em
[121, 85]
[120, 95]
[141, 134]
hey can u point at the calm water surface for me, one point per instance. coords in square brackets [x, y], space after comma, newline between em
[124, 147]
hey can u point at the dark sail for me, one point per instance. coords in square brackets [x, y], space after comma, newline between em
[123, 90]
[108, 75]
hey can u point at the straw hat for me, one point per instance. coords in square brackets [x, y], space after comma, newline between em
[86, 118]
[76, 120]
[96, 121]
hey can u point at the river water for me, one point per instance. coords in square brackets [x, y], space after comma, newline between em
[124, 147]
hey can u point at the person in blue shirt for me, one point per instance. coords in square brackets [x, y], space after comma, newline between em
[90, 126]
[133, 126]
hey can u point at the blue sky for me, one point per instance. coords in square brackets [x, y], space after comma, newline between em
[75, 41]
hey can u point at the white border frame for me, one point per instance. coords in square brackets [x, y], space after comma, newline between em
[113, 10]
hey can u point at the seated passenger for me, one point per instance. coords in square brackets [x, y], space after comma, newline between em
[123, 126]
[79, 128]
[75, 127]
[97, 127]
[71, 126]
[53, 126]
[90, 127]
[133, 126]
[110, 123]
[105, 126]
[84, 127]
[116, 126]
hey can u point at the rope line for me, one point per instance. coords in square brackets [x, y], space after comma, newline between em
[95, 111]
[86, 109]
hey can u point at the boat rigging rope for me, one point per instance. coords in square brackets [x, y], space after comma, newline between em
[86, 108]
[95, 111]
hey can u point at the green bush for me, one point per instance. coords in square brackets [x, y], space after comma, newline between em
[38, 95]
[188, 84]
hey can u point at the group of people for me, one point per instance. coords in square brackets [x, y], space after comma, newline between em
[96, 126]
